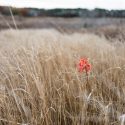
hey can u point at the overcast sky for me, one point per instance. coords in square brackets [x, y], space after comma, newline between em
[90, 4]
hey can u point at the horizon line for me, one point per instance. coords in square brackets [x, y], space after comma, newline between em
[58, 7]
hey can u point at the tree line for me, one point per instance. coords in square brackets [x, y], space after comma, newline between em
[79, 12]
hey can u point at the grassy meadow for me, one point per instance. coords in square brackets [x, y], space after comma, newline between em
[40, 83]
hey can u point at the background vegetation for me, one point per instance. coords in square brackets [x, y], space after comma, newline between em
[34, 12]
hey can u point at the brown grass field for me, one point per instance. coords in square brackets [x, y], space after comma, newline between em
[40, 83]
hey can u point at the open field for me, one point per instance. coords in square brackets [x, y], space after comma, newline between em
[40, 83]
[75, 23]
[111, 28]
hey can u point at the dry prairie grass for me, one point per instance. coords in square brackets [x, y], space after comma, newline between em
[40, 85]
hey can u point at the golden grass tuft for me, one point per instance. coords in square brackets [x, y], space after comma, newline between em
[40, 85]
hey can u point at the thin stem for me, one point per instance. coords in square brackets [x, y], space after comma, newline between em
[87, 83]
